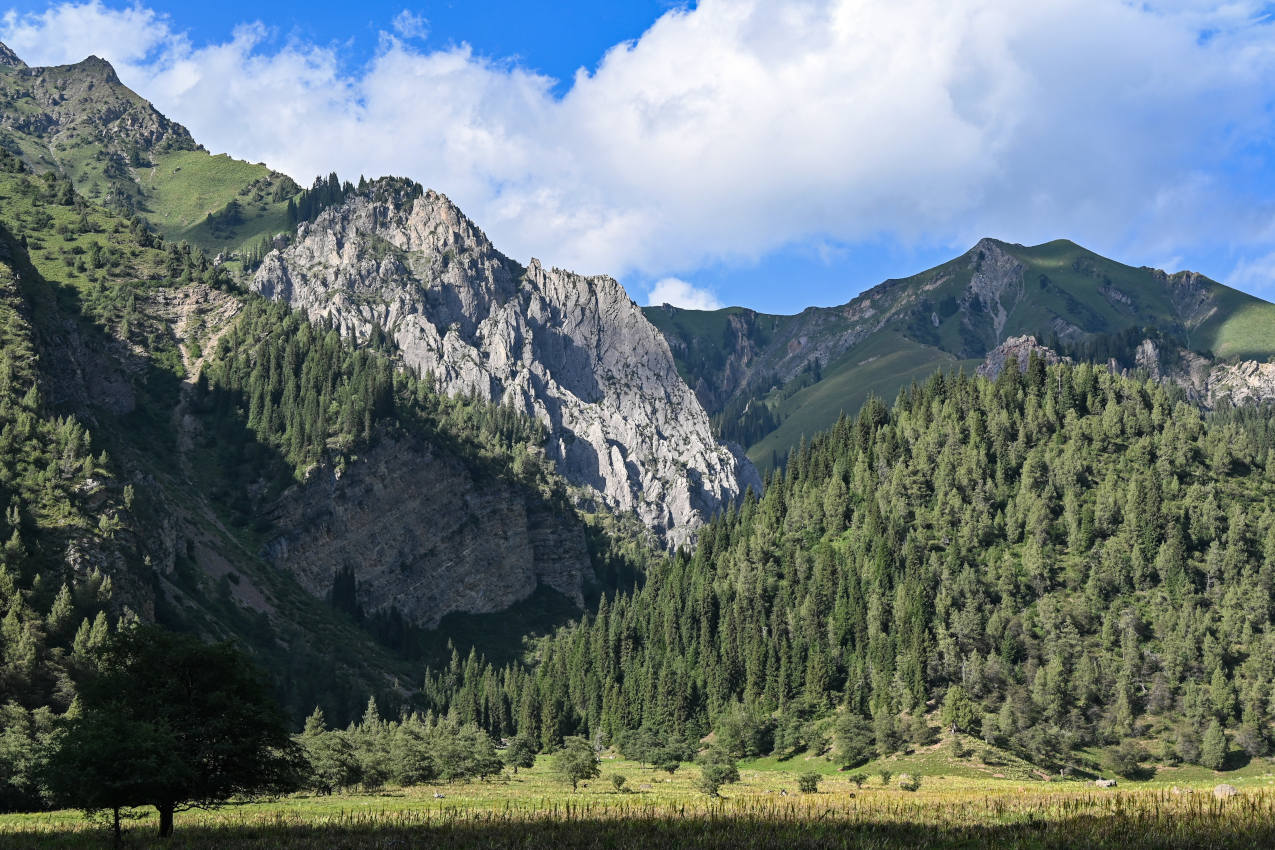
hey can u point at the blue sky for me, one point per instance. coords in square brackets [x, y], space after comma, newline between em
[555, 38]
[769, 154]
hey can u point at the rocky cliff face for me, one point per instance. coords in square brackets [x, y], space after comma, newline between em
[1208, 382]
[422, 534]
[573, 351]
[997, 278]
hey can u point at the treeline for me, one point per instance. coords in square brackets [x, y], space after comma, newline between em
[417, 749]
[749, 416]
[1060, 559]
[1121, 346]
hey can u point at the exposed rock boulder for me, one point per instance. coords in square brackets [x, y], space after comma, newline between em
[573, 351]
[1224, 791]
[1017, 350]
[1105, 783]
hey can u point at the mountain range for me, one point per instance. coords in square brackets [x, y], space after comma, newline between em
[770, 380]
[338, 424]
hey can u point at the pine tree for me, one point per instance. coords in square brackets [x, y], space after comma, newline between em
[1213, 746]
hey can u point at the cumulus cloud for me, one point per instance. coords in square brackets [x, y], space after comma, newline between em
[739, 127]
[410, 25]
[679, 293]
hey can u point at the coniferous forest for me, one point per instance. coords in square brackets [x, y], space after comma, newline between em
[1051, 561]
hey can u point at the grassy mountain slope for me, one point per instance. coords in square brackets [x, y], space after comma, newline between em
[81, 122]
[739, 361]
[105, 355]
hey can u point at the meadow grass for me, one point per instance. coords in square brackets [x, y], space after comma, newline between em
[183, 187]
[1246, 332]
[533, 810]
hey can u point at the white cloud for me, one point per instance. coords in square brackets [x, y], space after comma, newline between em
[1256, 274]
[742, 126]
[410, 25]
[69, 32]
[679, 293]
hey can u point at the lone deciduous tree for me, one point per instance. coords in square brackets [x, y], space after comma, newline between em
[521, 752]
[173, 723]
[575, 761]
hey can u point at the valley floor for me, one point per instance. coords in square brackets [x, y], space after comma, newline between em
[1175, 809]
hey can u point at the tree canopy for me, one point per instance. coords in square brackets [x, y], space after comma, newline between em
[173, 723]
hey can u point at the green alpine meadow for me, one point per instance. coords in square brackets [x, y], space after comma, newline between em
[324, 522]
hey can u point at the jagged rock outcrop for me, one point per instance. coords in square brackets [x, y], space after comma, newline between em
[9, 59]
[1247, 382]
[1208, 382]
[573, 351]
[422, 534]
[1018, 350]
[70, 104]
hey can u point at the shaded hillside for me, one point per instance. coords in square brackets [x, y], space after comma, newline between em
[188, 436]
[806, 369]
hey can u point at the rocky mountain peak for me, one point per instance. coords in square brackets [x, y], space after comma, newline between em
[573, 351]
[997, 283]
[99, 68]
[9, 59]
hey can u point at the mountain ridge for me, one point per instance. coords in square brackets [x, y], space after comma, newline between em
[756, 373]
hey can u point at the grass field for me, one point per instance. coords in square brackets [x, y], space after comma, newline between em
[1245, 333]
[532, 810]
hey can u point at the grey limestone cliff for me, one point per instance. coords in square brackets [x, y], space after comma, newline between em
[423, 535]
[573, 351]
[1209, 383]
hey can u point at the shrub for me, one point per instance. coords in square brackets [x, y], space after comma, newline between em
[1126, 759]
[909, 782]
[618, 781]
[808, 782]
[885, 777]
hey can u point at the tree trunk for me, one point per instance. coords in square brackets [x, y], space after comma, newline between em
[165, 819]
[116, 826]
